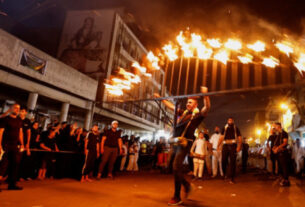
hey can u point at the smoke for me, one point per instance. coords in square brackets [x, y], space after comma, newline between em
[160, 21]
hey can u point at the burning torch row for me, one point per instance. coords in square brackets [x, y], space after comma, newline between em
[230, 57]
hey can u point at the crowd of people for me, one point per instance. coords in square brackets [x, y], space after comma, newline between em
[62, 150]
[66, 150]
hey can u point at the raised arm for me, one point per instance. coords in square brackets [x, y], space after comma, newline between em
[167, 103]
[206, 101]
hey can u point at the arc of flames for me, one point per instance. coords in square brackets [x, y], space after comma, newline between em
[271, 62]
[222, 56]
[233, 44]
[170, 52]
[300, 65]
[139, 67]
[258, 46]
[245, 59]
[284, 47]
[202, 51]
[215, 43]
[187, 52]
[154, 60]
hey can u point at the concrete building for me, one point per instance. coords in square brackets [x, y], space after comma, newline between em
[49, 88]
[97, 43]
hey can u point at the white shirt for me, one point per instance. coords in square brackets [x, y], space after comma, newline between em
[298, 152]
[200, 147]
[214, 140]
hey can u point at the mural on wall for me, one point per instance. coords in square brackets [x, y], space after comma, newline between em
[85, 40]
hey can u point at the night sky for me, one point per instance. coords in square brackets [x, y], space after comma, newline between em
[39, 22]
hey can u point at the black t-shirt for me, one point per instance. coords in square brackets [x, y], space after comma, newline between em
[195, 122]
[112, 138]
[48, 142]
[230, 132]
[26, 125]
[279, 138]
[272, 139]
[93, 139]
[12, 128]
[34, 134]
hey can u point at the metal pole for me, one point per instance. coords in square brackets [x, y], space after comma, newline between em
[224, 92]
[187, 75]
[172, 77]
[175, 112]
[179, 77]
[196, 75]
[165, 77]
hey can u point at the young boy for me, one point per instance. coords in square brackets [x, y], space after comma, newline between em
[92, 152]
[199, 151]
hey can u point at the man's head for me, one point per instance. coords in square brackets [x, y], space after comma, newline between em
[23, 112]
[52, 133]
[201, 135]
[15, 109]
[114, 124]
[230, 121]
[95, 128]
[191, 104]
[278, 126]
[217, 130]
[297, 141]
[35, 125]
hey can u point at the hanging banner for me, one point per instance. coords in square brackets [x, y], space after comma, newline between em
[30, 60]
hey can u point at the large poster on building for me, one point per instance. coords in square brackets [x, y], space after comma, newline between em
[85, 40]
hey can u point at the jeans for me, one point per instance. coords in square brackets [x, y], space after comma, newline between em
[179, 155]
[229, 152]
[110, 154]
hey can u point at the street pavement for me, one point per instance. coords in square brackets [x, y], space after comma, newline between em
[152, 189]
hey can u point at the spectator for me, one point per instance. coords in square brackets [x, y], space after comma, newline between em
[216, 156]
[92, 151]
[198, 152]
[111, 141]
[124, 154]
[298, 152]
[11, 142]
[48, 143]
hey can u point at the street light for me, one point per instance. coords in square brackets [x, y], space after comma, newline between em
[284, 106]
[259, 132]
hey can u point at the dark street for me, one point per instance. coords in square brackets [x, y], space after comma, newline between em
[154, 189]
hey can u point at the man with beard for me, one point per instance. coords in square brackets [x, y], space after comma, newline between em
[11, 142]
[280, 149]
[216, 157]
[232, 141]
[184, 131]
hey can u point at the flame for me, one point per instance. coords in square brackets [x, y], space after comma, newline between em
[245, 59]
[271, 62]
[147, 75]
[222, 56]
[284, 47]
[215, 43]
[233, 44]
[126, 74]
[300, 65]
[113, 90]
[170, 52]
[154, 60]
[202, 51]
[136, 79]
[187, 52]
[123, 84]
[139, 67]
[258, 46]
